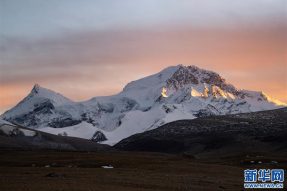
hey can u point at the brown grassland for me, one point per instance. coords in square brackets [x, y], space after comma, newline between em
[45, 170]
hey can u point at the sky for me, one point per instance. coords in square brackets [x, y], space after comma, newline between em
[89, 48]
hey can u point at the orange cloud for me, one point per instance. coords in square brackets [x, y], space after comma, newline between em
[88, 64]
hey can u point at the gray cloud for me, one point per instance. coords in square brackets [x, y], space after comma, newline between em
[38, 18]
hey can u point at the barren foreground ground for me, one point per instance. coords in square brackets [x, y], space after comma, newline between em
[77, 171]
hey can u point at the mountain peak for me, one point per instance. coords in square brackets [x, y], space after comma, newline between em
[38, 91]
[193, 75]
[180, 76]
[36, 88]
[38, 97]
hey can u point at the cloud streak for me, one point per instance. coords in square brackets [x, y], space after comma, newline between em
[249, 58]
[245, 42]
[38, 18]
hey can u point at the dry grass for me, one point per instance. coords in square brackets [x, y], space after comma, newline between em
[81, 171]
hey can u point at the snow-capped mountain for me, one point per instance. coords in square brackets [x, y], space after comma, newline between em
[178, 92]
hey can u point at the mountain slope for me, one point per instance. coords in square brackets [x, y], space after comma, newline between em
[18, 137]
[258, 132]
[177, 92]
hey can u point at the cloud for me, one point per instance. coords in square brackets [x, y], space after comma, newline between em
[89, 63]
[40, 18]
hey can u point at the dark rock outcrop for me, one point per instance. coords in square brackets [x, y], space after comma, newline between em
[99, 137]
